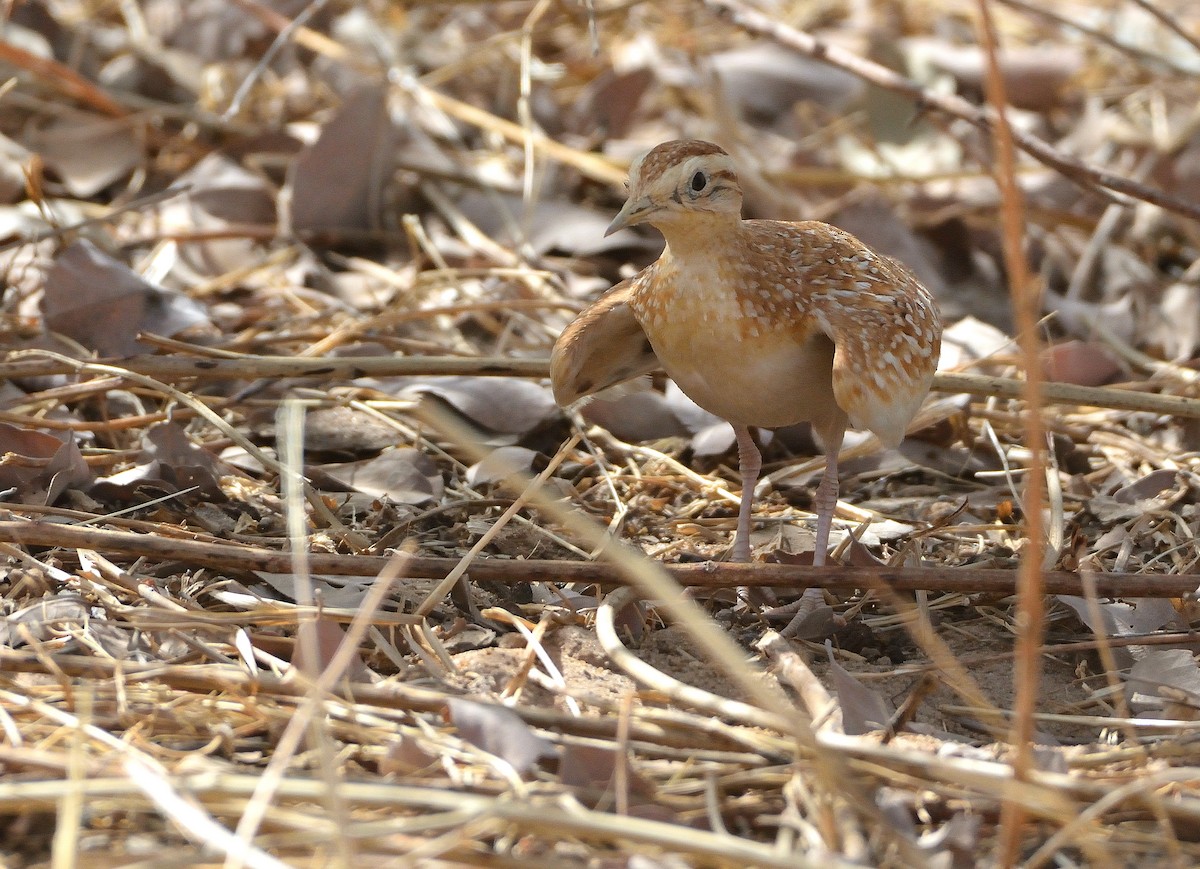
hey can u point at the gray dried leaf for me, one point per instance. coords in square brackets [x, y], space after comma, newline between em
[500, 464]
[863, 710]
[763, 80]
[43, 620]
[404, 476]
[969, 340]
[13, 158]
[1120, 618]
[555, 225]
[340, 592]
[500, 732]
[1179, 327]
[220, 195]
[507, 405]
[99, 302]
[635, 417]
[1164, 675]
[1152, 484]
[88, 152]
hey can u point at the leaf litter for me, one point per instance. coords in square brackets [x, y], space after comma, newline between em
[227, 185]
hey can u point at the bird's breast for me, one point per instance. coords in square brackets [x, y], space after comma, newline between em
[749, 369]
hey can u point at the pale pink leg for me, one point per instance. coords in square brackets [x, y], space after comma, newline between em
[826, 496]
[824, 504]
[750, 463]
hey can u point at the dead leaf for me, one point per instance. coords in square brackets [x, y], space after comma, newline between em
[1164, 676]
[38, 467]
[1152, 484]
[500, 732]
[404, 475]
[763, 80]
[507, 405]
[317, 642]
[500, 464]
[338, 182]
[44, 620]
[99, 302]
[1034, 77]
[88, 152]
[220, 197]
[970, 340]
[1083, 363]
[345, 431]
[1139, 616]
[405, 756]
[636, 417]
[863, 710]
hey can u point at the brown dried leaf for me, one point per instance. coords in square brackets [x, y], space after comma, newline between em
[1034, 77]
[594, 768]
[318, 642]
[405, 756]
[338, 182]
[1083, 363]
[39, 467]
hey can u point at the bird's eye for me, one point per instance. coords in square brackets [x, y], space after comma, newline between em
[698, 182]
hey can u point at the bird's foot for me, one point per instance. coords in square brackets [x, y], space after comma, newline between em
[812, 618]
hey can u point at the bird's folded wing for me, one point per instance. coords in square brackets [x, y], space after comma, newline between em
[603, 347]
[886, 349]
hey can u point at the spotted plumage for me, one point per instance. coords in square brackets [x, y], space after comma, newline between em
[762, 322]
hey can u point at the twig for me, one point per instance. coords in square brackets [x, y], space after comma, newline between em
[63, 78]
[967, 579]
[1031, 607]
[21, 364]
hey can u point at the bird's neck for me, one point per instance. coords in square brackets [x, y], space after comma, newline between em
[698, 234]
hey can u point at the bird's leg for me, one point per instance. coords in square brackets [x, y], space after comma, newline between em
[824, 503]
[750, 463]
[826, 497]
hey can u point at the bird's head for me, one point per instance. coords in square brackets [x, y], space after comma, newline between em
[678, 180]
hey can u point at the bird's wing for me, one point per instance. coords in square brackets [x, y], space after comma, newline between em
[603, 347]
[883, 323]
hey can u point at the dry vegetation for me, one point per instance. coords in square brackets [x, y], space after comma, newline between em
[281, 280]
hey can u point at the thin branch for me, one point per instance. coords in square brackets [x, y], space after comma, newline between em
[229, 366]
[962, 580]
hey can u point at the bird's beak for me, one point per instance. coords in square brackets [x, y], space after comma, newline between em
[633, 212]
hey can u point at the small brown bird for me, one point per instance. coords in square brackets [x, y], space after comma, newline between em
[762, 322]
